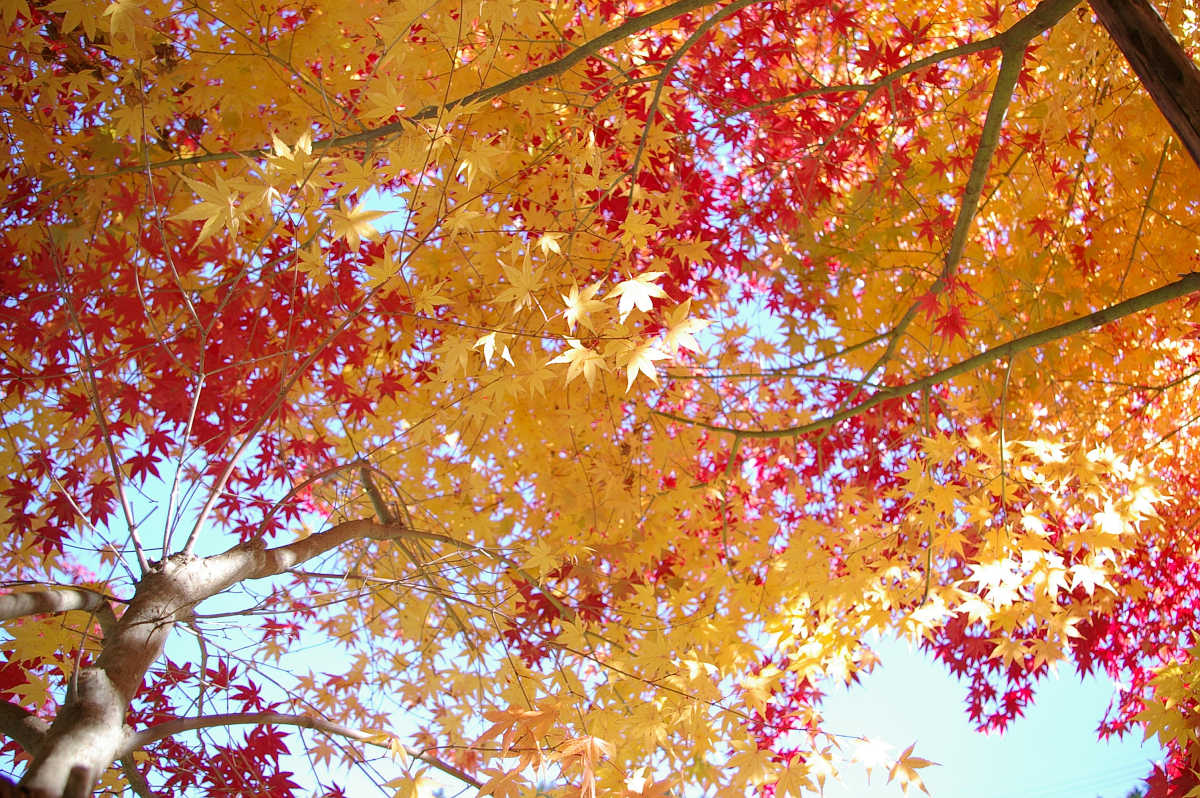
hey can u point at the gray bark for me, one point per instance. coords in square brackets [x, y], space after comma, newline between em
[50, 599]
[89, 732]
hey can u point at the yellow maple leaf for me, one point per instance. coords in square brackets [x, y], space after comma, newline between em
[638, 785]
[428, 299]
[354, 224]
[794, 780]
[294, 165]
[638, 358]
[218, 207]
[381, 270]
[122, 17]
[418, 786]
[905, 770]
[638, 292]
[502, 784]
[311, 261]
[75, 14]
[523, 282]
[681, 328]
[580, 360]
[753, 764]
[581, 304]
[488, 343]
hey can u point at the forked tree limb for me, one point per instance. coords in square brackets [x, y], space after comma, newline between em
[89, 732]
[1156, 57]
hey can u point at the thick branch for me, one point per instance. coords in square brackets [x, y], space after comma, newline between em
[21, 725]
[53, 599]
[1159, 62]
[254, 561]
[161, 731]
[1185, 285]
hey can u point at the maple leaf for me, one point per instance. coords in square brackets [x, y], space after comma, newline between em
[639, 785]
[381, 270]
[581, 360]
[430, 298]
[637, 228]
[295, 164]
[548, 243]
[795, 780]
[929, 304]
[502, 784]
[905, 770]
[218, 207]
[419, 786]
[1042, 226]
[638, 292]
[122, 17]
[523, 283]
[75, 15]
[638, 358]
[311, 261]
[585, 754]
[753, 764]
[521, 726]
[354, 224]
[489, 343]
[680, 329]
[581, 305]
[952, 324]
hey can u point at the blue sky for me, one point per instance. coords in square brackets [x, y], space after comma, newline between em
[1053, 752]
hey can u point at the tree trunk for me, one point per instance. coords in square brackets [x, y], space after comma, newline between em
[89, 732]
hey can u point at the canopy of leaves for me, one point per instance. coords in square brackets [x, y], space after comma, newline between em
[680, 348]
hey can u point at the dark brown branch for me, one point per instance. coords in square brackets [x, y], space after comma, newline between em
[1189, 283]
[169, 728]
[53, 599]
[22, 726]
[1160, 63]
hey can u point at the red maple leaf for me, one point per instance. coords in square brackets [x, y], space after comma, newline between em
[952, 324]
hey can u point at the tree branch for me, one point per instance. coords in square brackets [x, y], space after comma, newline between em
[263, 562]
[169, 728]
[21, 725]
[1012, 44]
[1185, 285]
[53, 599]
[552, 69]
[137, 782]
